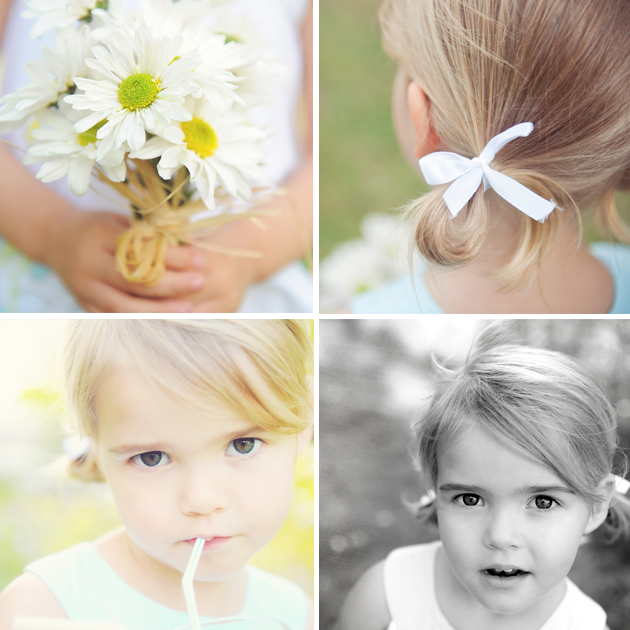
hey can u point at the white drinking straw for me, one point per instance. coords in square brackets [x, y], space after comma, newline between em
[187, 584]
[23, 622]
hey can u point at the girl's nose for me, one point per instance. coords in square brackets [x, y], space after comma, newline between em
[203, 491]
[502, 529]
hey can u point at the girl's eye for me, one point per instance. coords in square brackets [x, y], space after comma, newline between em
[243, 446]
[544, 503]
[153, 459]
[469, 500]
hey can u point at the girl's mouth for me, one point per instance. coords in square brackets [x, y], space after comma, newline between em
[509, 573]
[212, 543]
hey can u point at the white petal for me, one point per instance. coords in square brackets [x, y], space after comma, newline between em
[136, 136]
[50, 171]
[79, 175]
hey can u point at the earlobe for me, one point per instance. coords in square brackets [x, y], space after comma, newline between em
[427, 140]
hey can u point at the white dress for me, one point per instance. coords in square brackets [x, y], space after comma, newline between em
[410, 593]
[26, 286]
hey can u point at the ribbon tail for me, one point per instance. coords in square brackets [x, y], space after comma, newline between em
[527, 201]
[462, 189]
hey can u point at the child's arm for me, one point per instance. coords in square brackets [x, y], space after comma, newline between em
[28, 595]
[365, 607]
[288, 234]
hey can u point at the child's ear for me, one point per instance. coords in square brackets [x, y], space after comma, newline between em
[600, 511]
[304, 438]
[427, 140]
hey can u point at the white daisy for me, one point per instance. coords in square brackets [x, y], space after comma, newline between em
[60, 13]
[366, 263]
[66, 152]
[254, 64]
[215, 148]
[52, 76]
[213, 76]
[140, 82]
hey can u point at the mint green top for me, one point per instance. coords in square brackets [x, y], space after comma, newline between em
[88, 588]
[400, 296]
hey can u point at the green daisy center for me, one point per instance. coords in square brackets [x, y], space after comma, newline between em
[200, 137]
[230, 37]
[138, 91]
[89, 136]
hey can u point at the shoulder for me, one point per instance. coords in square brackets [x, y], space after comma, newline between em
[28, 595]
[272, 596]
[263, 581]
[365, 607]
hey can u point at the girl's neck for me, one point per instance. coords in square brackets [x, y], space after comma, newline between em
[464, 612]
[163, 584]
[570, 279]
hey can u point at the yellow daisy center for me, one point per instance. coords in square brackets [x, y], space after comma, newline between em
[89, 136]
[138, 91]
[200, 137]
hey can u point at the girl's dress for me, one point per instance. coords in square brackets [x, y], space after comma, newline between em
[410, 593]
[401, 296]
[88, 588]
[26, 286]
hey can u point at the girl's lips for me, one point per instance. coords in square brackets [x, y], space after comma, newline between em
[213, 543]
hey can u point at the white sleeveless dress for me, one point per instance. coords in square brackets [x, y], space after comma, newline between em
[26, 286]
[410, 592]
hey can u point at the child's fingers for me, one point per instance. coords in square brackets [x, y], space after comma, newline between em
[171, 285]
[111, 300]
[183, 258]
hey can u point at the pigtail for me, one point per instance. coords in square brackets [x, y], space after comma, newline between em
[445, 241]
[85, 468]
[441, 239]
[617, 523]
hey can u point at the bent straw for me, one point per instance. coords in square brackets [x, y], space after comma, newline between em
[187, 583]
[23, 622]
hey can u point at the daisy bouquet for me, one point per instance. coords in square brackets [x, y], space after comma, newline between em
[156, 105]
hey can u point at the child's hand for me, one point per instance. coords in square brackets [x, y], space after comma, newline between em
[226, 280]
[81, 250]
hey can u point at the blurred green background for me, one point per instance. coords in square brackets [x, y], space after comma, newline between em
[40, 515]
[375, 376]
[361, 168]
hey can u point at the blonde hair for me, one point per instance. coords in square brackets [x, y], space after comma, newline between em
[261, 369]
[487, 65]
[539, 403]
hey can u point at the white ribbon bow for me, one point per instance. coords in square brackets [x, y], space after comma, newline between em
[443, 167]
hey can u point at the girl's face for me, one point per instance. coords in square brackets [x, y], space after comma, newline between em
[499, 512]
[178, 472]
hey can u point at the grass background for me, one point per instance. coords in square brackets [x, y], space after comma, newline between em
[375, 375]
[361, 168]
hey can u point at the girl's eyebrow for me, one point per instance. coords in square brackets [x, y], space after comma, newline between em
[125, 449]
[458, 487]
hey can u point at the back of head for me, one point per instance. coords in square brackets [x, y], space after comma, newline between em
[487, 65]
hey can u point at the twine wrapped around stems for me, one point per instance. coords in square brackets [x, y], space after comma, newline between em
[162, 218]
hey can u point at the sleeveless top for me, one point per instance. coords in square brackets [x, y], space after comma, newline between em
[410, 592]
[26, 286]
[400, 296]
[88, 588]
